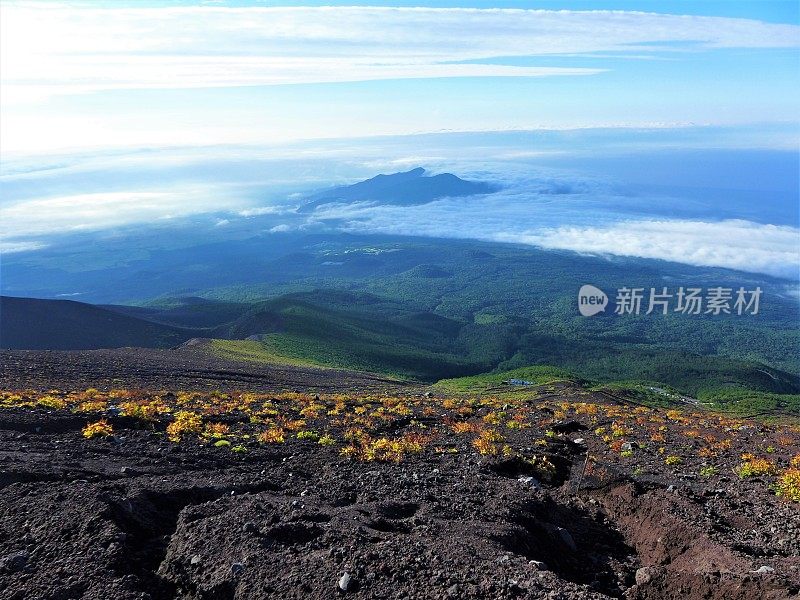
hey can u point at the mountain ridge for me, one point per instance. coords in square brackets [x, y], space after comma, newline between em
[37, 324]
[406, 188]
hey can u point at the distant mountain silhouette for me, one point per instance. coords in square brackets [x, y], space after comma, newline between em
[33, 324]
[409, 188]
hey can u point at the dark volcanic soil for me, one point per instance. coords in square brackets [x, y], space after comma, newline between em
[135, 516]
[187, 367]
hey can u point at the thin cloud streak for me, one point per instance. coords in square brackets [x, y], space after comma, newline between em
[64, 50]
[95, 212]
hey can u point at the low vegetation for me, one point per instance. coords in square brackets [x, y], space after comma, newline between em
[528, 426]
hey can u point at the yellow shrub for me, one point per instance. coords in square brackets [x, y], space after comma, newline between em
[51, 402]
[490, 442]
[462, 427]
[276, 435]
[673, 460]
[493, 418]
[92, 406]
[185, 422]
[144, 411]
[788, 484]
[385, 449]
[755, 466]
[97, 429]
[296, 425]
[215, 430]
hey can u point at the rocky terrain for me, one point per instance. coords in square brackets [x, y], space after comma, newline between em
[266, 486]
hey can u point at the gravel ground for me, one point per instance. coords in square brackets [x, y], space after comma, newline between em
[136, 516]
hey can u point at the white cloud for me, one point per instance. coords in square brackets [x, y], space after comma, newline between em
[9, 247]
[734, 244]
[263, 210]
[91, 212]
[56, 49]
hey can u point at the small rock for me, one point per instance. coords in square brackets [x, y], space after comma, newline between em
[344, 582]
[566, 537]
[579, 441]
[629, 446]
[504, 559]
[643, 576]
[453, 591]
[196, 559]
[14, 562]
[671, 489]
[763, 569]
[538, 564]
[127, 471]
[237, 568]
[528, 480]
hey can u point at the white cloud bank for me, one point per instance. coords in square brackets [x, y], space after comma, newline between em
[734, 244]
[58, 49]
[589, 220]
[94, 212]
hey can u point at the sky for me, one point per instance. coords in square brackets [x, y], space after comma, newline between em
[121, 112]
[115, 74]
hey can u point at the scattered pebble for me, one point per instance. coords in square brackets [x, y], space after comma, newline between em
[764, 569]
[528, 480]
[643, 576]
[344, 582]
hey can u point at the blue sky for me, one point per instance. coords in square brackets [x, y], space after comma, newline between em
[778, 11]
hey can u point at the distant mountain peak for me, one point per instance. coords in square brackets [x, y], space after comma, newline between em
[406, 188]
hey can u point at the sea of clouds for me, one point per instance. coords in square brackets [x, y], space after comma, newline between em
[550, 195]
